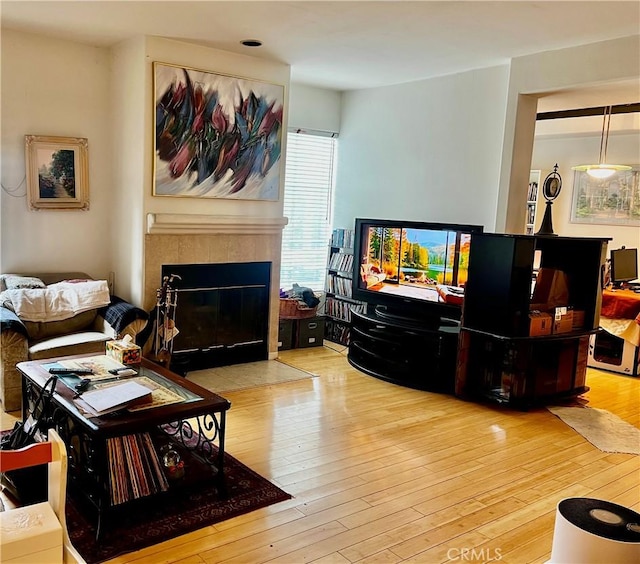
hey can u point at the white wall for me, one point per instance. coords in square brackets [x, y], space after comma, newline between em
[314, 108]
[54, 87]
[551, 71]
[431, 150]
[140, 161]
[427, 150]
[129, 104]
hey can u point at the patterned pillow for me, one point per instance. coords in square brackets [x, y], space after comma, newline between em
[16, 282]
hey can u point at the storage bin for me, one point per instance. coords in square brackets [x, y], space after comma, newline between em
[285, 334]
[310, 332]
[292, 309]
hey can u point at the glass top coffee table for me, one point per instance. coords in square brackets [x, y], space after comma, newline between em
[157, 449]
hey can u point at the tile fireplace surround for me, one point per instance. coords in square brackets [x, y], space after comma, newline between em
[191, 239]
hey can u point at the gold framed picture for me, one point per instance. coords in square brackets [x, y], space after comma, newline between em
[57, 172]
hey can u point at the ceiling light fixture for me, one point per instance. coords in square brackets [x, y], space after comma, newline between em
[251, 42]
[603, 170]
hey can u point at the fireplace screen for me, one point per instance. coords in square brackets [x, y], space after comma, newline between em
[222, 314]
[220, 317]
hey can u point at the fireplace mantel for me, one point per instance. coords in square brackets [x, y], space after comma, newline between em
[177, 238]
[194, 224]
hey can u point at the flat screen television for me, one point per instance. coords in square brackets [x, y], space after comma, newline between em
[412, 271]
[624, 266]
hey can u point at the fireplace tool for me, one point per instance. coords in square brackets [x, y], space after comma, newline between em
[166, 330]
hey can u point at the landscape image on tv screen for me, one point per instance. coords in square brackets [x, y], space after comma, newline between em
[415, 263]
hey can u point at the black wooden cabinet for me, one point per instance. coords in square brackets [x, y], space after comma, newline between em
[498, 357]
[404, 353]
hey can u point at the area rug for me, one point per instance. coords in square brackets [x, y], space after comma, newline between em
[143, 523]
[601, 428]
[247, 375]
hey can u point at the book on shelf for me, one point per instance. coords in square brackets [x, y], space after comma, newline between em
[337, 332]
[342, 262]
[342, 238]
[339, 285]
[342, 310]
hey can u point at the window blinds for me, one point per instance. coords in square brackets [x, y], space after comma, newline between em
[308, 189]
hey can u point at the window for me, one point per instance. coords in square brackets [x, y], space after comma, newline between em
[308, 189]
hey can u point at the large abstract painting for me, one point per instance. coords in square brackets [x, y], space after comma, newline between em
[610, 201]
[216, 136]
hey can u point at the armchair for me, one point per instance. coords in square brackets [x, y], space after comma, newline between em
[85, 332]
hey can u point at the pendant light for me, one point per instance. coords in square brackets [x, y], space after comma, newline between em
[602, 169]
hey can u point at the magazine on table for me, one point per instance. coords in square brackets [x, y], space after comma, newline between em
[113, 398]
[101, 366]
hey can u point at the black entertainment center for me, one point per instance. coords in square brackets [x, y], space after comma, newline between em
[504, 355]
[530, 304]
[411, 275]
[406, 352]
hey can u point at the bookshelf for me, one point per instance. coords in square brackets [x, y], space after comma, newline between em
[339, 302]
[532, 201]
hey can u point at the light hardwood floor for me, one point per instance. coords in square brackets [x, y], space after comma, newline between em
[382, 473]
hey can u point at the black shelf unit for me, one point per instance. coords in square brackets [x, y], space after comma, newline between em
[339, 303]
[497, 357]
[407, 353]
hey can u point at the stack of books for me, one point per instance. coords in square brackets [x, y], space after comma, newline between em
[135, 470]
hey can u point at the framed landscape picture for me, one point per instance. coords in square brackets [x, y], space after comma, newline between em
[607, 201]
[216, 136]
[57, 172]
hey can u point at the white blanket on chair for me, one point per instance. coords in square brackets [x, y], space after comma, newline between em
[57, 301]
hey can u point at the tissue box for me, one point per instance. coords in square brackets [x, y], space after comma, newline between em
[124, 352]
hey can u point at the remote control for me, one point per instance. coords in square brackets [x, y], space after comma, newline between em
[81, 387]
[115, 371]
[55, 370]
[124, 373]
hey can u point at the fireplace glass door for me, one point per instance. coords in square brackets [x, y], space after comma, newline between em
[222, 314]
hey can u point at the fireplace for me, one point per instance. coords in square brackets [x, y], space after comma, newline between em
[185, 239]
[222, 314]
